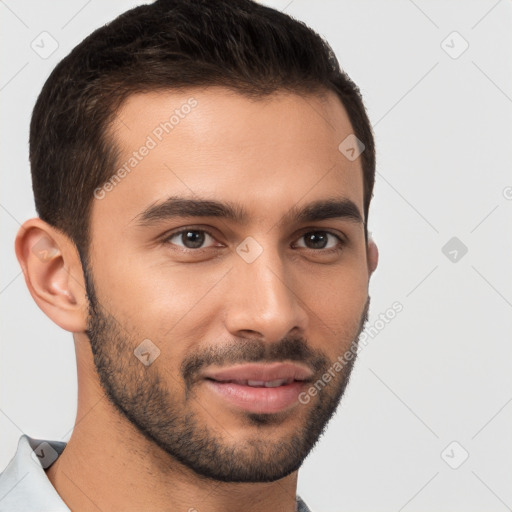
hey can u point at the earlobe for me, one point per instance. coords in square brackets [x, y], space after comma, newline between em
[53, 273]
[372, 252]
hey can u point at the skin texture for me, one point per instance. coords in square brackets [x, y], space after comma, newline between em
[155, 437]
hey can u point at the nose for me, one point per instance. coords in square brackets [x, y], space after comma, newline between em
[263, 300]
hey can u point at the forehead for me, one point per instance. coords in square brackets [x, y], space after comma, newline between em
[268, 153]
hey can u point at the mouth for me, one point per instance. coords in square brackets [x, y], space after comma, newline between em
[259, 388]
[259, 374]
[258, 383]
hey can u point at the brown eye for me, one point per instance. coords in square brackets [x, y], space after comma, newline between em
[189, 238]
[317, 240]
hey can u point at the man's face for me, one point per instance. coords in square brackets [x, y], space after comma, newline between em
[247, 313]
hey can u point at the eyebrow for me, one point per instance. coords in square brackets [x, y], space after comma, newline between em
[181, 207]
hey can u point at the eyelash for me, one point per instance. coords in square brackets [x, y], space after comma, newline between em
[338, 248]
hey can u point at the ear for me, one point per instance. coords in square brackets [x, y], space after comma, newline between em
[372, 255]
[53, 273]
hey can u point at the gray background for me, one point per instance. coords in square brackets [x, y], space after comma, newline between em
[439, 372]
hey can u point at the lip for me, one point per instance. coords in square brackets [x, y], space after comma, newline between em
[262, 399]
[258, 399]
[261, 372]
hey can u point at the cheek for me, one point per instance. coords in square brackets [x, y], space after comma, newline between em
[338, 313]
[160, 299]
[335, 301]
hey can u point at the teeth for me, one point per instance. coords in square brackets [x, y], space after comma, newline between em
[267, 384]
[261, 383]
[256, 383]
[275, 383]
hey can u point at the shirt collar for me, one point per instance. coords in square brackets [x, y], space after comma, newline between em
[24, 484]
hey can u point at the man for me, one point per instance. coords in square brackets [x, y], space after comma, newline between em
[202, 171]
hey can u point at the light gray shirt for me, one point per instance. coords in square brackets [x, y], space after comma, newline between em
[24, 486]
